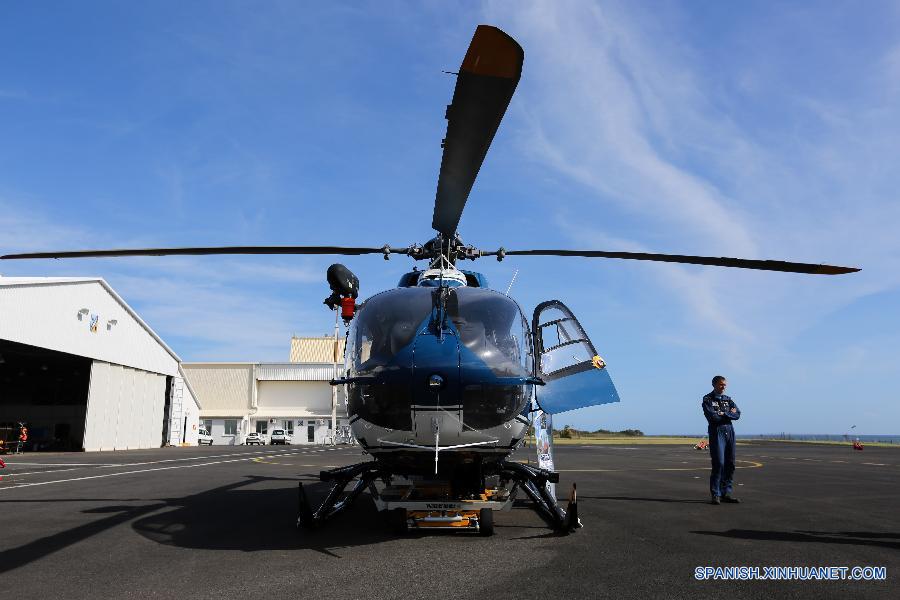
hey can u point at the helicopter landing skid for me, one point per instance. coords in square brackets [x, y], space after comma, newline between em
[420, 510]
[534, 482]
[333, 504]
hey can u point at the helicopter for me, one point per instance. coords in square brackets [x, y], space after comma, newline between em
[445, 376]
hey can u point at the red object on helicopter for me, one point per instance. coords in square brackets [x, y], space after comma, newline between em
[348, 308]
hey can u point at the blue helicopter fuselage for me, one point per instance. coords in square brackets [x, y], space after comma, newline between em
[443, 363]
[415, 348]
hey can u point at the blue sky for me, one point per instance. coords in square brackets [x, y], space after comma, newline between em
[758, 130]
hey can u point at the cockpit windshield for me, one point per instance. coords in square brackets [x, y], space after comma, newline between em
[490, 326]
[384, 325]
[493, 328]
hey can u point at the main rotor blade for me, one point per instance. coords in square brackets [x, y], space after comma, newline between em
[724, 261]
[485, 84]
[201, 251]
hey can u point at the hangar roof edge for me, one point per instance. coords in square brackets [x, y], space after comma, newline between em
[24, 281]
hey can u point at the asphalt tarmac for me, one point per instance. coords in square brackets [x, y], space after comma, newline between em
[218, 522]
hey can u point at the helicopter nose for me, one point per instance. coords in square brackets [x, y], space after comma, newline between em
[435, 382]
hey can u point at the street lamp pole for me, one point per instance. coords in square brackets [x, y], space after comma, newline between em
[335, 376]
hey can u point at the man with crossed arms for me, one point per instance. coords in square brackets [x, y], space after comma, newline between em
[720, 410]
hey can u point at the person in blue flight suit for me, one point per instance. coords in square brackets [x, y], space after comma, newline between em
[720, 410]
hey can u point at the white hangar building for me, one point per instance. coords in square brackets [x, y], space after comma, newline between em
[85, 372]
[239, 398]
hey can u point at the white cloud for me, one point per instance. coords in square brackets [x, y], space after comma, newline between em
[222, 308]
[22, 231]
[615, 100]
[609, 113]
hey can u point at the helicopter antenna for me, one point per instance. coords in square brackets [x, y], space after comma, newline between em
[511, 281]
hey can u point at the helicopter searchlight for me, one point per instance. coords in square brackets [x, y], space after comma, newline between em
[444, 375]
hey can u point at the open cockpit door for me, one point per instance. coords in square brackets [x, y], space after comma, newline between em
[567, 362]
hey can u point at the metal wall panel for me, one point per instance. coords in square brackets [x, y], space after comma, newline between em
[295, 398]
[125, 408]
[296, 372]
[222, 388]
[315, 350]
[47, 316]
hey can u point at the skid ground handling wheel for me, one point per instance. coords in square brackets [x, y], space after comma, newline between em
[422, 505]
[480, 521]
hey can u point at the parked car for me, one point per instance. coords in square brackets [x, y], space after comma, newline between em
[203, 437]
[255, 438]
[279, 436]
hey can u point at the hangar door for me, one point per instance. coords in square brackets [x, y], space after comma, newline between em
[125, 408]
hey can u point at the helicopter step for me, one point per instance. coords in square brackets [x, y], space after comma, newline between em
[423, 505]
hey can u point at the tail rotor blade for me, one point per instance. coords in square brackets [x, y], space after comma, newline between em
[485, 84]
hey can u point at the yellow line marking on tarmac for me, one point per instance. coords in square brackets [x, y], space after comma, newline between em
[753, 465]
[261, 460]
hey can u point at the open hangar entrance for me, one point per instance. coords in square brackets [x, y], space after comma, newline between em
[46, 389]
[82, 369]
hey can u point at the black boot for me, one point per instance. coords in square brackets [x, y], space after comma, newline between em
[730, 500]
[715, 500]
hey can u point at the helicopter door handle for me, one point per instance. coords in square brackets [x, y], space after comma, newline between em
[536, 381]
[345, 380]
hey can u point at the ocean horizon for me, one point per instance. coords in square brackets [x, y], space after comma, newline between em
[813, 437]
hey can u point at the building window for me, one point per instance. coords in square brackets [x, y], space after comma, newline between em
[262, 427]
[207, 425]
[230, 427]
[288, 426]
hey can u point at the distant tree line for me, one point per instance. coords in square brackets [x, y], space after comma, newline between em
[569, 432]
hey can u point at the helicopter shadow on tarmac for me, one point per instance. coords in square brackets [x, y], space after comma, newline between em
[229, 517]
[13, 558]
[234, 518]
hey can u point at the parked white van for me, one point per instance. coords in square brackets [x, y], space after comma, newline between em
[203, 437]
[279, 436]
